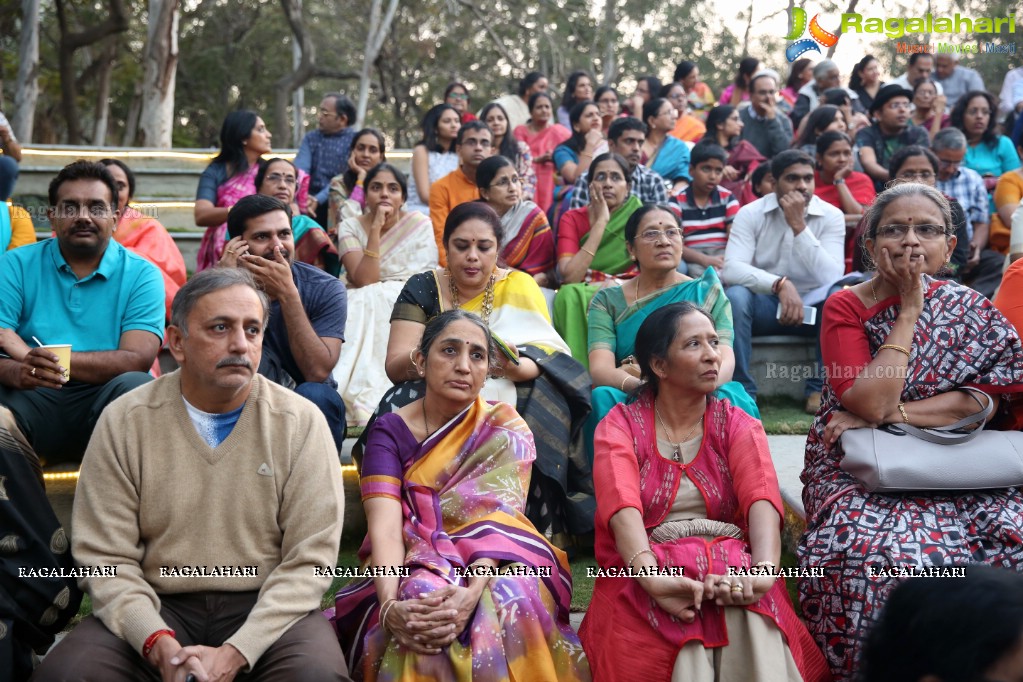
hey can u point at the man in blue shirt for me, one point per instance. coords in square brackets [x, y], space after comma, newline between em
[82, 289]
[308, 307]
[324, 151]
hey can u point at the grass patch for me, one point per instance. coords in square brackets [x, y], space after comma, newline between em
[782, 415]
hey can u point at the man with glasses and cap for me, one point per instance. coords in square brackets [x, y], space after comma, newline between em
[890, 131]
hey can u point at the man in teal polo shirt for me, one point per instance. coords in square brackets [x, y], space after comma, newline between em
[83, 289]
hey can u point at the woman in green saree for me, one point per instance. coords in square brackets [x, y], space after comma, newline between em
[653, 237]
[591, 248]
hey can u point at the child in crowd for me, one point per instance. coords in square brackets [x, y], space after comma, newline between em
[707, 209]
[762, 180]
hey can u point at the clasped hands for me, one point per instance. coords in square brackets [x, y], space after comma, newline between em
[203, 663]
[428, 624]
[683, 597]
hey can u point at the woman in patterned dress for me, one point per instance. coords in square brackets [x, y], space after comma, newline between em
[896, 349]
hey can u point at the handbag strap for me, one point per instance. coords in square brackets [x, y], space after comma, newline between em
[943, 435]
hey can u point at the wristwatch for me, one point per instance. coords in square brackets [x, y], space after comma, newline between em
[839, 181]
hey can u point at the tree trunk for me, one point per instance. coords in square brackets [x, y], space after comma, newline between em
[131, 121]
[99, 135]
[297, 78]
[26, 92]
[378, 29]
[161, 66]
[117, 22]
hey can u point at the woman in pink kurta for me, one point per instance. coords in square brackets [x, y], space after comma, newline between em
[706, 504]
[542, 133]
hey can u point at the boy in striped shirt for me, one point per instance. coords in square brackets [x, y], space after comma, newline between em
[707, 210]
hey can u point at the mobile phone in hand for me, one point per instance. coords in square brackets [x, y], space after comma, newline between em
[809, 314]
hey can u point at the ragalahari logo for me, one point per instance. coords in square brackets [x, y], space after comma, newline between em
[818, 36]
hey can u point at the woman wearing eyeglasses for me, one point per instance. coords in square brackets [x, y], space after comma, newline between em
[688, 128]
[916, 164]
[278, 178]
[591, 247]
[457, 95]
[527, 242]
[898, 348]
[653, 237]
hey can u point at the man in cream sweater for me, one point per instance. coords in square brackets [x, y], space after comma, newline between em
[205, 502]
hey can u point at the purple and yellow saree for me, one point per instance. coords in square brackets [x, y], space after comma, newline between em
[462, 493]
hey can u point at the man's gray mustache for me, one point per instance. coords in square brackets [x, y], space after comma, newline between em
[235, 362]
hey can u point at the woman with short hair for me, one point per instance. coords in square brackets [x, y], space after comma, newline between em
[899, 349]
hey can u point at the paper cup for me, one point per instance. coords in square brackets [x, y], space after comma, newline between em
[63, 353]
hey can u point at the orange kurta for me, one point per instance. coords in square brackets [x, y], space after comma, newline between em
[453, 189]
[149, 239]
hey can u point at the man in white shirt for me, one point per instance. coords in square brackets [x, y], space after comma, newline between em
[921, 68]
[782, 248]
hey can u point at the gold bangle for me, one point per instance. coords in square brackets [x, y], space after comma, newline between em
[624, 381]
[892, 346]
[371, 254]
[585, 250]
[902, 409]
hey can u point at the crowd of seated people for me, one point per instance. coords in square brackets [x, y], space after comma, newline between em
[545, 332]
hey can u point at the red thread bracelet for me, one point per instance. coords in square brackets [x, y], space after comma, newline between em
[147, 648]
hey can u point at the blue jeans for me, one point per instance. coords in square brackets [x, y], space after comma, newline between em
[757, 315]
[326, 397]
[8, 176]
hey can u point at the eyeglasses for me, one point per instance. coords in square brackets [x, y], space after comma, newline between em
[916, 175]
[458, 95]
[949, 164]
[277, 177]
[925, 232]
[897, 105]
[473, 142]
[672, 233]
[507, 182]
[95, 210]
[978, 112]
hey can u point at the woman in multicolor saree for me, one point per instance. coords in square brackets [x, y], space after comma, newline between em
[380, 251]
[896, 349]
[685, 481]
[527, 243]
[444, 485]
[591, 247]
[654, 238]
[549, 388]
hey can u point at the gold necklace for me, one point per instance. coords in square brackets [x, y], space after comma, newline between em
[488, 297]
[676, 455]
[872, 292]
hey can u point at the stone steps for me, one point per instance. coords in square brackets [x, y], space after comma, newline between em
[166, 180]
